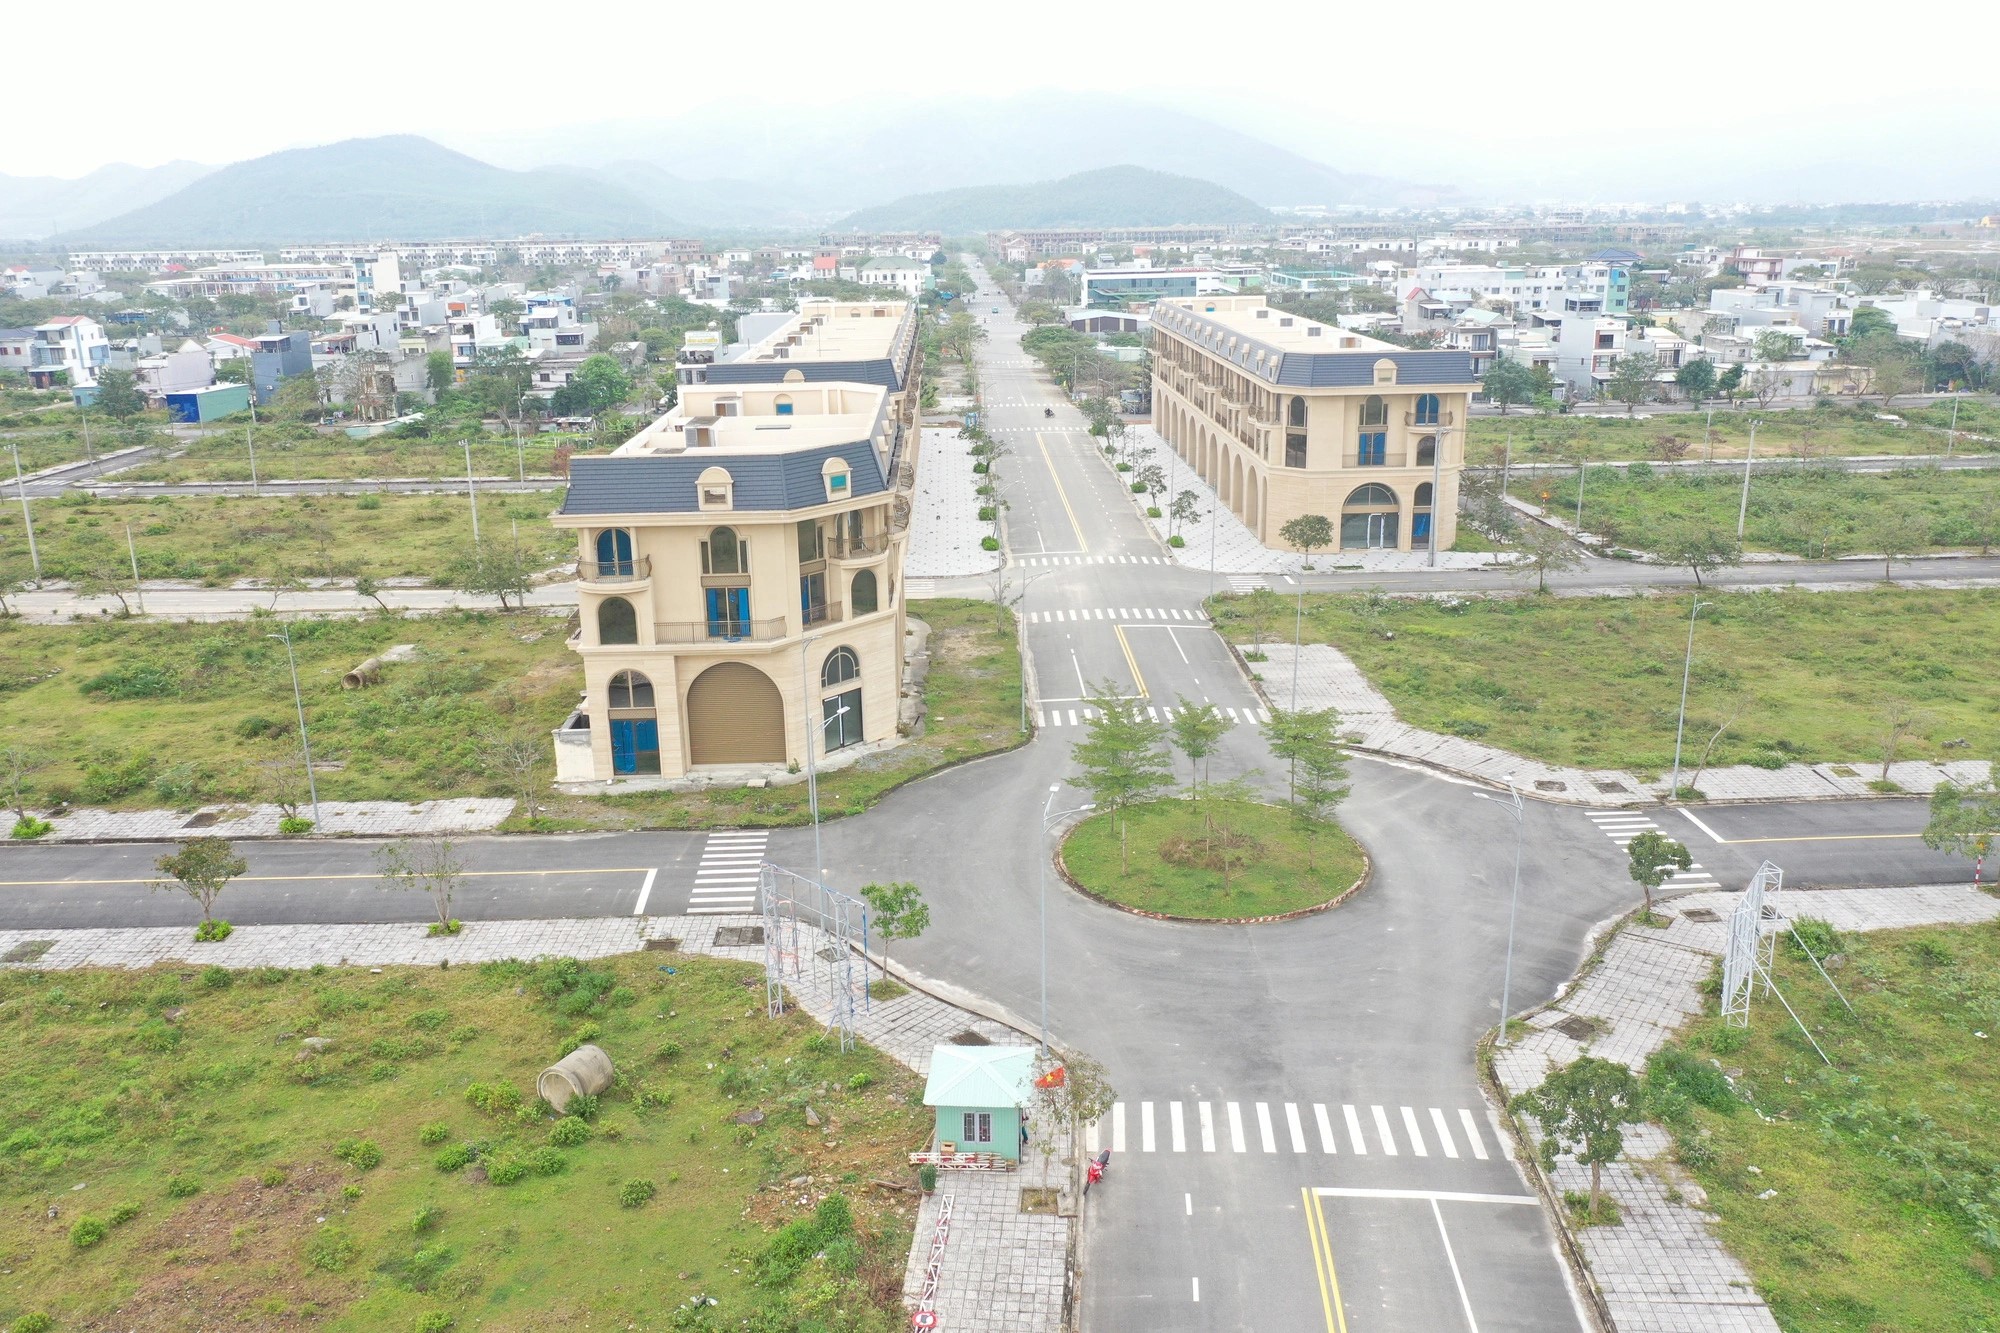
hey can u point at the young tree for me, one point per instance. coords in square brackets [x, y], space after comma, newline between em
[1123, 753]
[1071, 1091]
[1153, 478]
[1895, 534]
[18, 766]
[1898, 719]
[1774, 345]
[430, 866]
[1307, 533]
[1965, 819]
[1186, 509]
[1730, 381]
[1508, 382]
[521, 760]
[366, 586]
[1549, 551]
[1631, 380]
[439, 373]
[1654, 858]
[897, 911]
[118, 394]
[201, 868]
[1196, 730]
[1893, 377]
[1702, 547]
[1765, 386]
[498, 571]
[1582, 1110]
[1696, 378]
[1308, 741]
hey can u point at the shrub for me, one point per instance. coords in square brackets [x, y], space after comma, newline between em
[138, 680]
[293, 826]
[1138, 488]
[451, 927]
[361, 1154]
[1153, 511]
[927, 1177]
[671, 1050]
[569, 1132]
[1177, 541]
[213, 932]
[987, 513]
[331, 1249]
[583, 1106]
[794, 1246]
[547, 1162]
[989, 543]
[271, 1177]
[250, 728]
[32, 1323]
[433, 1134]
[27, 826]
[375, 502]
[494, 1098]
[633, 1193]
[431, 1321]
[124, 1213]
[217, 978]
[860, 1081]
[455, 1158]
[427, 1218]
[183, 1187]
[1677, 1081]
[87, 1232]
[1815, 934]
[506, 1171]
[584, 1035]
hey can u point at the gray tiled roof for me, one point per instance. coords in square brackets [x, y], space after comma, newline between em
[876, 370]
[1320, 370]
[665, 484]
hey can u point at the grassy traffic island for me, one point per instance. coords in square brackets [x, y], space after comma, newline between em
[1211, 860]
[190, 1148]
[1860, 1196]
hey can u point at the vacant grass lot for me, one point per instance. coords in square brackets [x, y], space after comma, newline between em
[47, 438]
[1211, 858]
[214, 539]
[408, 1170]
[1884, 1165]
[1595, 682]
[973, 702]
[1808, 510]
[1818, 433]
[293, 452]
[137, 714]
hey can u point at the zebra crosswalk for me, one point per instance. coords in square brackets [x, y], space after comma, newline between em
[1092, 560]
[1310, 1128]
[1249, 582]
[1621, 826]
[726, 879]
[1077, 717]
[1141, 613]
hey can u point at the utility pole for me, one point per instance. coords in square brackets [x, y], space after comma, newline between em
[1437, 507]
[34, 555]
[471, 497]
[1513, 903]
[250, 435]
[138, 589]
[1743, 506]
[305, 741]
[1506, 463]
[1708, 437]
[1687, 669]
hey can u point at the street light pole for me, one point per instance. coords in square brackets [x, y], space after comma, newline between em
[1437, 482]
[471, 498]
[1743, 506]
[1687, 668]
[250, 438]
[1042, 882]
[138, 589]
[34, 555]
[1513, 905]
[305, 741]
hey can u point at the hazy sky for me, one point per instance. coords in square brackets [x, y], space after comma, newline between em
[1533, 94]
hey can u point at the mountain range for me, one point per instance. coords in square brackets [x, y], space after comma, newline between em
[35, 206]
[1121, 196]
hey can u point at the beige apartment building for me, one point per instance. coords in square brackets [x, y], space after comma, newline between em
[740, 559]
[1285, 416]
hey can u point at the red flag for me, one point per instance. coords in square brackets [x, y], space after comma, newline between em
[1053, 1079]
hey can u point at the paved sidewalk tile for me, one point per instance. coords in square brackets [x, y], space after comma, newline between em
[1662, 1268]
[384, 819]
[945, 527]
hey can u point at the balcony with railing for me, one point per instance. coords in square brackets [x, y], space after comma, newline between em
[1432, 421]
[719, 631]
[823, 613]
[635, 570]
[857, 548]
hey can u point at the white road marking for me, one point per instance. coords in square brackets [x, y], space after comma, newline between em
[645, 892]
[1197, 1284]
[1090, 1138]
[1145, 1127]
[1264, 1133]
[1207, 1126]
[1292, 1123]
[1471, 1128]
[1703, 827]
[1354, 1139]
[1382, 1128]
[1118, 1127]
[1443, 1133]
[1464, 1302]
[1188, 1199]
[1416, 1135]
[1176, 1126]
[1325, 1127]
[1236, 1129]
[1441, 1196]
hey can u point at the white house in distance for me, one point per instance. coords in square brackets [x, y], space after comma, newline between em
[909, 277]
[67, 352]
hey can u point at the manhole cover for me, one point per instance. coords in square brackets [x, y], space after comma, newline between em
[1577, 1028]
[1702, 914]
[829, 954]
[1615, 788]
[668, 942]
[204, 819]
[1549, 784]
[736, 937]
[27, 951]
[969, 1038]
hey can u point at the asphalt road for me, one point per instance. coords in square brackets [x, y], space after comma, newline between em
[1301, 1140]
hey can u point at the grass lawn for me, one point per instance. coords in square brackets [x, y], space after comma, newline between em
[1818, 432]
[138, 714]
[214, 539]
[292, 452]
[1884, 1165]
[47, 438]
[238, 1181]
[1595, 682]
[973, 702]
[1211, 859]
[1807, 510]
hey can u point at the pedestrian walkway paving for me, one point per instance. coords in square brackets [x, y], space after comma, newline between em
[1622, 826]
[1077, 717]
[1322, 1128]
[1663, 1268]
[726, 880]
[1002, 1268]
[378, 819]
[1127, 614]
[945, 527]
[1329, 679]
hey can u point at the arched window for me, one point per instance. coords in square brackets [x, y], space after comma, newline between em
[633, 724]
[861, 593]
[1368, 520]
[724, 553]
[1295, 414]
[614, 552]
[1420, 518]
[841, 666]
[617, 622]
[1427, 409]
[1374, 412]
[1423, 498]
[784, 404]
[1427, 448]
[631, 689]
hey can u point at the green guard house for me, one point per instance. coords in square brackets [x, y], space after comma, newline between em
[978, 1092]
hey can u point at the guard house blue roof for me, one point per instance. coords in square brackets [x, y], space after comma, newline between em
[665, 484]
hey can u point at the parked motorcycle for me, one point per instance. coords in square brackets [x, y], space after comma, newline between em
[1094, 1172]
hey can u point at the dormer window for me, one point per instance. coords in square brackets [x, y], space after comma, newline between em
[716, 489]
[837, 476]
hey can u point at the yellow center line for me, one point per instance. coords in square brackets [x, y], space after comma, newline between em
[1061, 494]
[1329, 1281]
[284, 879]
[1138, 680]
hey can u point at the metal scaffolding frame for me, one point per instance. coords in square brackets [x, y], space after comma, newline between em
[815, 939]
[1748, 954]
